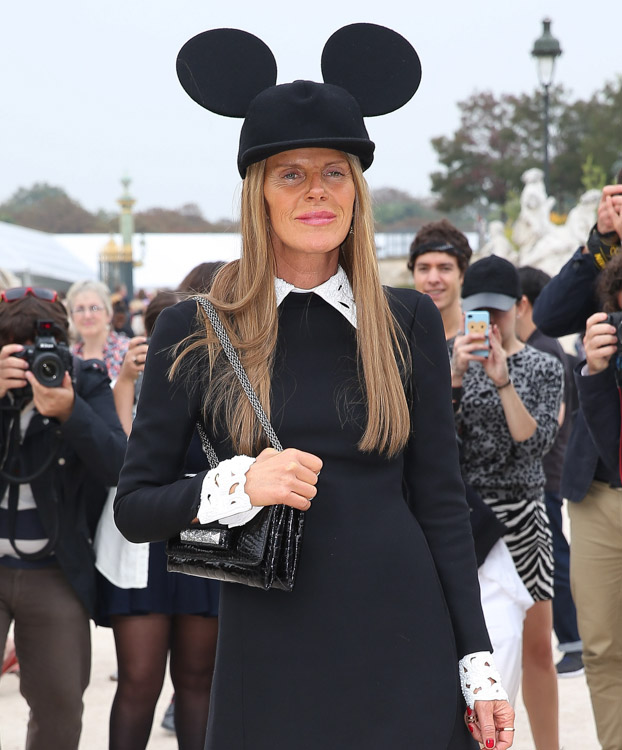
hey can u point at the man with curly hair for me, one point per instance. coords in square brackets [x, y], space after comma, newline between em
[438, 257]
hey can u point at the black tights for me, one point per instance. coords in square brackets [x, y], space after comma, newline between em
[142, 643]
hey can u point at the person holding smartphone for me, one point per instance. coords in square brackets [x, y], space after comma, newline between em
[439, 256]
[510, 399]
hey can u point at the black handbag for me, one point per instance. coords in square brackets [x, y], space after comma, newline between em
[263, 552]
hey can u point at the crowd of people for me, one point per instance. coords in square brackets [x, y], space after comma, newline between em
[535, 428]
[83, 424]
[431, 436]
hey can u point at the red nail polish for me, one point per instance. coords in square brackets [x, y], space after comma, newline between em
[490, 743]
[470, 728]
[469, 711]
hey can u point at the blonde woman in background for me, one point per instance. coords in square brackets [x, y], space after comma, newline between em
[90, 309]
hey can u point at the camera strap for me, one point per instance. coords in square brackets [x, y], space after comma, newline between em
[49, 546]
[15, 480]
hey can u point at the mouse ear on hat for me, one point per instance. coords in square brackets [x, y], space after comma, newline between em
[223, 70]
[376, 65]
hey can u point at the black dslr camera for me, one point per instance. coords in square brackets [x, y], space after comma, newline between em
[615, 319]
[47, 359]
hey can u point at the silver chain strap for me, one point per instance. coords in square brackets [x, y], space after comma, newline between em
[240, 372]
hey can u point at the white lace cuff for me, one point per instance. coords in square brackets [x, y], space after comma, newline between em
[222, 495]
[479, 679]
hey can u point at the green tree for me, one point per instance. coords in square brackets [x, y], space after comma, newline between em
[188, 218]
[594, 176]
[500, 137]
[49, 209]
[494, 145]
[396, 211]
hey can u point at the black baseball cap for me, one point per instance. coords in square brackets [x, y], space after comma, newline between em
[490, 282]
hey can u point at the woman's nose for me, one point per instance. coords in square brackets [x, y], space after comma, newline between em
[316, 184]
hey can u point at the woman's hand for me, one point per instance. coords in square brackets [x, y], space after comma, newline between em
[496, 366]
[491, 723]
[134, 360]
[286, 477]
[600, 342]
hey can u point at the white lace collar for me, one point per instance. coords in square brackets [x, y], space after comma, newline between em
[336, 291]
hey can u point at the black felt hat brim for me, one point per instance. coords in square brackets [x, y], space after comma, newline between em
[360, 147]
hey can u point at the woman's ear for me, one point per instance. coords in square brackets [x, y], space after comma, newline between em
[522, 306]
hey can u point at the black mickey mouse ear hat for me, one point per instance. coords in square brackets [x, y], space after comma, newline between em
[368, 70]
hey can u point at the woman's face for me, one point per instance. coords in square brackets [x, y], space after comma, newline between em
[309, 195]
[89, 314]
[506, 322]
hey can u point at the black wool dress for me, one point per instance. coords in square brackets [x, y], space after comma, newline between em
[363, 654]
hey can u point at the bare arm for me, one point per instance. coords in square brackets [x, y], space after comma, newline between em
[520, 422]
[124, 388]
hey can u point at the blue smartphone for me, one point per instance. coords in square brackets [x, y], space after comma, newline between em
[478, 321]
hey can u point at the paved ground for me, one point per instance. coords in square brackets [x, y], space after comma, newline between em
[577, 725]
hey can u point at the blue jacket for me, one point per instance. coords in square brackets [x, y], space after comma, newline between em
[562, 308]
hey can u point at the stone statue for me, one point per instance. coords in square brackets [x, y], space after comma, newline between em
[553, 249]
[535, 207]
[498, 243]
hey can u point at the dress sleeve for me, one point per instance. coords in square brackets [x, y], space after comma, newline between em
[549, 383]
[154, 501]
[433, 484]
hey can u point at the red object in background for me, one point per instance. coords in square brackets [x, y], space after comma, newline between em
[10, 663]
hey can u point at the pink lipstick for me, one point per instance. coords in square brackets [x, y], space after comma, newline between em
[316, 218]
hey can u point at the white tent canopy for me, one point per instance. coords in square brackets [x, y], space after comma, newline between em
[38, 258]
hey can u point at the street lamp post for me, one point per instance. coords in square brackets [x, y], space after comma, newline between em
[546, 50]
[126, 227]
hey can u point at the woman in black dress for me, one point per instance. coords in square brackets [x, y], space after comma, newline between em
[364, 652]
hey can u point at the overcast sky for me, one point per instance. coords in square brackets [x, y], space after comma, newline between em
[88, 91]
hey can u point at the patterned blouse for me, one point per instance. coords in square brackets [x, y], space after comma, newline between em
[114, 351]
[491, 458]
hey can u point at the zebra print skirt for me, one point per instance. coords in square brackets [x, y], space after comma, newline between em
[529, 537]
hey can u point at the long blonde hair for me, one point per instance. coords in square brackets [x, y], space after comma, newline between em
[243, 293]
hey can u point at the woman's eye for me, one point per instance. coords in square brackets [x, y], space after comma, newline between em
[334, 173]
[290, 175]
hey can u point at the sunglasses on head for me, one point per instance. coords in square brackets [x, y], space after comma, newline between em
[20, 292]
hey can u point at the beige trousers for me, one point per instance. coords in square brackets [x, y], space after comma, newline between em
[596, 583]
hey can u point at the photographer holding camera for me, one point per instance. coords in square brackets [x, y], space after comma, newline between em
[61, 445]
[590, 281]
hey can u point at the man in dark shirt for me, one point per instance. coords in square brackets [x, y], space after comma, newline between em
[533, 281]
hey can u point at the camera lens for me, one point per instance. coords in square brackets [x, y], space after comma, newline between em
[49, 370]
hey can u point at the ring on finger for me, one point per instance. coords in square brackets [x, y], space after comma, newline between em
[507, 729]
